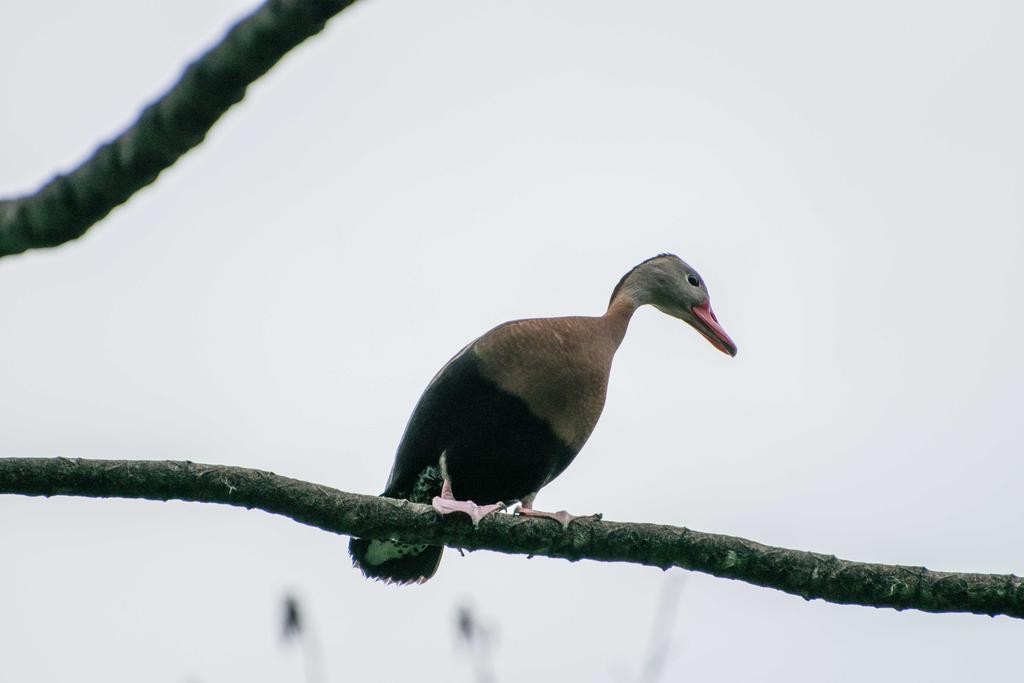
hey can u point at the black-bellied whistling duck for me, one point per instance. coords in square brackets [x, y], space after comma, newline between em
[510, 411]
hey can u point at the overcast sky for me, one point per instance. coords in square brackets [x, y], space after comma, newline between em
[847, 178]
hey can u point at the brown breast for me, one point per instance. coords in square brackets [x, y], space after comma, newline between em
[558, 366]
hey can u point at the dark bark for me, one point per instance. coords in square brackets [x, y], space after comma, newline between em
[68, 205]
[809, 575]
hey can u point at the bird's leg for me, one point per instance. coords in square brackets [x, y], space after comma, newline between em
[445, 504]
[562, 517]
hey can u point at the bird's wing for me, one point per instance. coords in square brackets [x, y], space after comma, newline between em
[430, 424]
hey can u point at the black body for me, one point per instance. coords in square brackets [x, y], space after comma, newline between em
[494, 450]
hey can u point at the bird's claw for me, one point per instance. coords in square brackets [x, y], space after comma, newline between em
[446, 506]
[562, 516]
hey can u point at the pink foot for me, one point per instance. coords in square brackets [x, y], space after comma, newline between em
[446, 506]
[562, 517]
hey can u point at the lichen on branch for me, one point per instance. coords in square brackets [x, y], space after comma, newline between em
[809, 575]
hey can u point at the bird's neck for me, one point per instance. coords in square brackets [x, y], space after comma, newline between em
[616, 318]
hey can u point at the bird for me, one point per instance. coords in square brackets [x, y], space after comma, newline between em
[511, 410]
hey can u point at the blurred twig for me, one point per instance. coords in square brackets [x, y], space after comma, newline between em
[296, 628]
[478, 639]
[665, 615]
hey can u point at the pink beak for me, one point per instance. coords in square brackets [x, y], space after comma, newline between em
[711, 330]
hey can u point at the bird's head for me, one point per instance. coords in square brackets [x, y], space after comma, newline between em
[673, 287]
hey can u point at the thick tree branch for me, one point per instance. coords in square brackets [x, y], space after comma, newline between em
[68, 205]
[809, 575]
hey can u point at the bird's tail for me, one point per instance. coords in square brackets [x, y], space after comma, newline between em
[402, 563]
[394, 562]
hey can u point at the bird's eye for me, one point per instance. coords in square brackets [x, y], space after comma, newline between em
[692, 279]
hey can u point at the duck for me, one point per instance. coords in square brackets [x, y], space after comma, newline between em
[511, 410]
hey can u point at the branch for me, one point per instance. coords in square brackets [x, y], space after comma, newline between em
[68, 205]
[809, 575]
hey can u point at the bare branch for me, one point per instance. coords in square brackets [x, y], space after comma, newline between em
[68, 205]
[809, 575]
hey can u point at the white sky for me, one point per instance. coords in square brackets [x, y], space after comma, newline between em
[847, 179]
